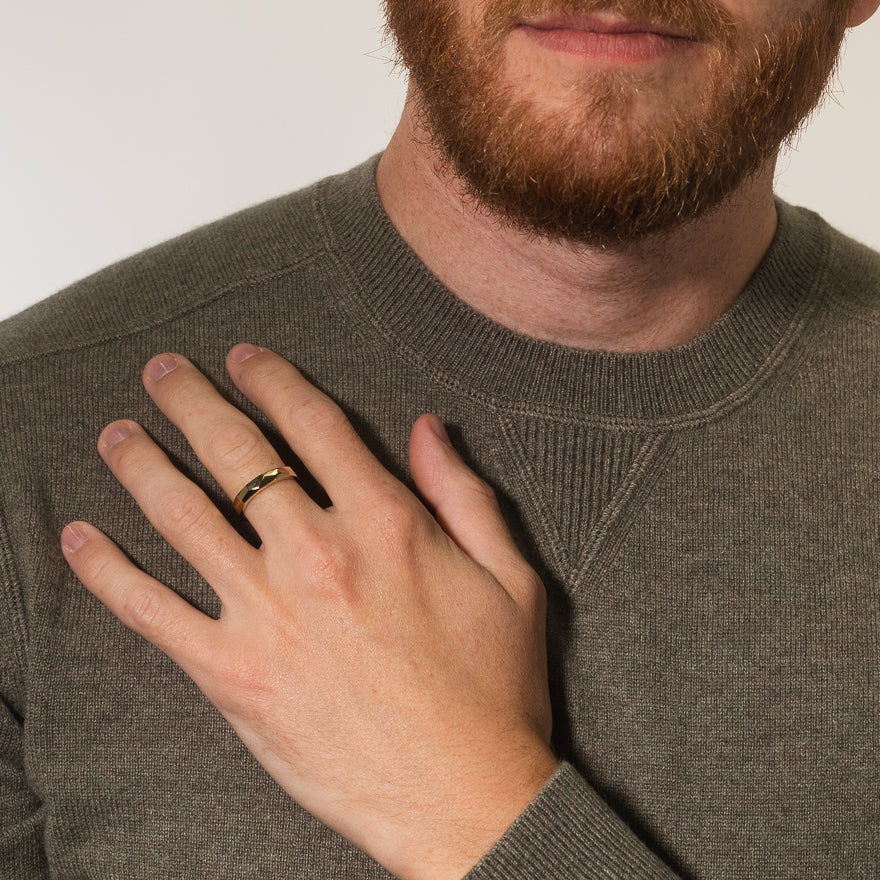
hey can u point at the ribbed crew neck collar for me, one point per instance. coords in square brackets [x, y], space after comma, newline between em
[432, 328]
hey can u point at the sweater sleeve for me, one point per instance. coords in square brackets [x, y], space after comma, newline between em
[21, 814]
[569, 833]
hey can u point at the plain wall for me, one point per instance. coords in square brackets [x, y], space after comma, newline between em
[123, 124]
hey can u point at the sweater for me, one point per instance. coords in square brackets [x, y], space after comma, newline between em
[705, 519]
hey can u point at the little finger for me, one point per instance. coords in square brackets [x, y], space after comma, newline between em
[178, 509]
[144, 605]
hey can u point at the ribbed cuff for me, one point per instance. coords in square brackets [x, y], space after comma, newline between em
[569, 833]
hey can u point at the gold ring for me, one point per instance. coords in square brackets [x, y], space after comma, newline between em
[258, 483]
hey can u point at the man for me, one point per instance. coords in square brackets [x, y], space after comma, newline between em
[570, 253]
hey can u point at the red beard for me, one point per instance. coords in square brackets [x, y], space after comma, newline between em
[592, 175]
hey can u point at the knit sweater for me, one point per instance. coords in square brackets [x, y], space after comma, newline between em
[705, 519]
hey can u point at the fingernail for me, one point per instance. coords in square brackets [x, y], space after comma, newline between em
[161, 366]
[242, 352]
[116, 433]
[72, 538]
[440, 431]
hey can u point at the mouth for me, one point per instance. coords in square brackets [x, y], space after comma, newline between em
[605, 25]
[607, 38]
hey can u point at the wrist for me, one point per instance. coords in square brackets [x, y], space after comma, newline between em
[447, 838]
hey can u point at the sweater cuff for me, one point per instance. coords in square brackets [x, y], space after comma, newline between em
[569, 833]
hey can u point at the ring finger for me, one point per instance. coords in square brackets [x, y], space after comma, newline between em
[226, 441]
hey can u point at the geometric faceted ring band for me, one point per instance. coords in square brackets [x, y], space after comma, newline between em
[257, 484]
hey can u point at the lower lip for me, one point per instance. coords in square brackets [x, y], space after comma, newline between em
[621, 48]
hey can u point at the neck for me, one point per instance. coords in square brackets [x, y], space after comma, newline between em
[647, 296]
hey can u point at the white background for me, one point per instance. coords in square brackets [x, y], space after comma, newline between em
[125, 123]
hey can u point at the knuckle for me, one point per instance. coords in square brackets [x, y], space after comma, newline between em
[236, 448]
[328, 566]
[319, 416]
[95, 567]
[183, 515]
[128, 459]
[481, 490]
[395, 520]
[142, 609]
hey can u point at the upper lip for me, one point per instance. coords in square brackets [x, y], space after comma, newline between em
[600, 24]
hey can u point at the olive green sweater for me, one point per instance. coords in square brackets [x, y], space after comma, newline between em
[706, 520]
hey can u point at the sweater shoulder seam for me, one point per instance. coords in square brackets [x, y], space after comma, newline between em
[214, 295]
[864, 316]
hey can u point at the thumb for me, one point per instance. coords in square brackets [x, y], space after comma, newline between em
[464, 505]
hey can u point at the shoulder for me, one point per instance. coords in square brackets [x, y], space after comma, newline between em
[187, 273]
[849, 277]
[836, 363]
[854, 277]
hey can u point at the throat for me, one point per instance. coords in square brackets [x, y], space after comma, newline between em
[649, 296]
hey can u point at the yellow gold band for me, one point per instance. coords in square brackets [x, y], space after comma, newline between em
[258, 483]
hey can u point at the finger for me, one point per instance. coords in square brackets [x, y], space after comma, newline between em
[313, 424]
[467, 510]
[180, 511]
[139, 601]
[226, 441]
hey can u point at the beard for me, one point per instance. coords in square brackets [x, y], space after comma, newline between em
[590, 173]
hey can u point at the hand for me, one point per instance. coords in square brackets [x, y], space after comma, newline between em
[386, 667]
